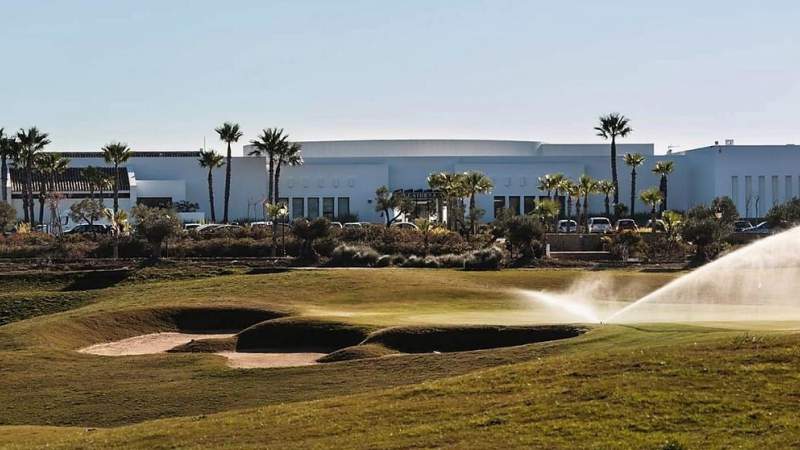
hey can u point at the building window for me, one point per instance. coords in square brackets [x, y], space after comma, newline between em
[313, 207]
[789, 188]
[344, 207]
[513, 204]
[735, 190]
[762, 194]
[327, 207]
[748, 195]
[499, 204]
[155, 202]
[775, 195]
[530, 204]
[298, 207]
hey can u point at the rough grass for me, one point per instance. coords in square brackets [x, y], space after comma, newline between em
[612, 387]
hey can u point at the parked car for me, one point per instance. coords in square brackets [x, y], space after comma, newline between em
[337, 225]
[192, 226]
[741, 225]
[268, 225]
[405, 226]
[86, 229]
[353, 225]
[600, 225]
[567, 226]
[659, 225]
[626, 224]
[218, 229]
[761, 228]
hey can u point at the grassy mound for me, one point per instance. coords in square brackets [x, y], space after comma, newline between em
[463, 338]
[300, 333]
[357, 352]
[206, 346]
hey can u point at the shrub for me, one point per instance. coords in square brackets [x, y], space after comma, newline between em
[522, 232]
[354, 256]
[490, 258]
[156, 225]
[784, 215]
[307, 232]
[702, 229]
[451, 260]
[384, 261]
[662, 247]
[727, 208]
[8, 216]
[624, 244]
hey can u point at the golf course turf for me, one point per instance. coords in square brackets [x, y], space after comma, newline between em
[383, 383]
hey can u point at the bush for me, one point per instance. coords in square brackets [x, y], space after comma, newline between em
[354, 256]
[785, 215]
[522, 232]
[625, 244]
[404, 241]
[660, 247]
[490, 258]
[8, 216]
[705, 232]
[307, 232]
[156, 225]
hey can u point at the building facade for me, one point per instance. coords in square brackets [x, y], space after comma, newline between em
[339, 178]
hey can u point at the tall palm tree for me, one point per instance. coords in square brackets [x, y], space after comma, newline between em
[211, 160]
[49, 166]
[31, 142]
[451, 186]
[663, 168]
[475, 183]
[606, 187]
[633, 160]
[269, 144]
[8, 150]
[652, 197]
[291, 154]
[228, 132]
[587, 186]
[557, 178]
[116, 153]
[612, 126]
[98, 180]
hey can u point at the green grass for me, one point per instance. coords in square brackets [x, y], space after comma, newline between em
[613, 387]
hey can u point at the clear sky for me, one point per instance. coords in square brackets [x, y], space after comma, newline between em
[163, 74]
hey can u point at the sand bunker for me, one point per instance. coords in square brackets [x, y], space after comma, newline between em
[261, 360]
[147, 344]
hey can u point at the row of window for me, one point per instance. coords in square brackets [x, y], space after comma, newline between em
[520, 204]
[757, 202]
[311, 207]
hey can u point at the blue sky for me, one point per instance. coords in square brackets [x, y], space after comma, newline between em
[163, 74]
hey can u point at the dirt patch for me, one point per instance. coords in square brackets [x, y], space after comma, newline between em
[245, 360]
[147, 344]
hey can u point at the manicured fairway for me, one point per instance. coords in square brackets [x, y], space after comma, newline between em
[613, 387]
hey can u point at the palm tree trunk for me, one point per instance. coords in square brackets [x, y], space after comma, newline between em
[116, 190]
[608, 207]
[586, 211]
[4, 170]
[277, 180]
[633, 191]
[271, 178]
[614, 169]
[211, 195]
[663, 189]
[473, 224]
[41, 206]
[29, 193]
[577, 214]
[653, 218]
[227, 184]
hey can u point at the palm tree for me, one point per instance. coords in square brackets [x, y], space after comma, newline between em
[49, 166]
[31, 142]
[96, 178]
[586, 186]
[269, 145]
[652, 197]
[557, 178]
[451, 186]
[546, 183]
[663, 168]
[611, 126]
[571, 189]
[211, 160]
[228, 132]
[290, 155]
[475, 183]
[116, 153]
[8, 150]
[634, 160]
[546, 211]
[606, 187]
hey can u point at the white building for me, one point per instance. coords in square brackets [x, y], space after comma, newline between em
[339, 178]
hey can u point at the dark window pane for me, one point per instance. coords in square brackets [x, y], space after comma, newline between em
[513, 204]
[530, 204]
[298, 209]
[313, 207]
[327, 207]
[344, 206]
[499, 204]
